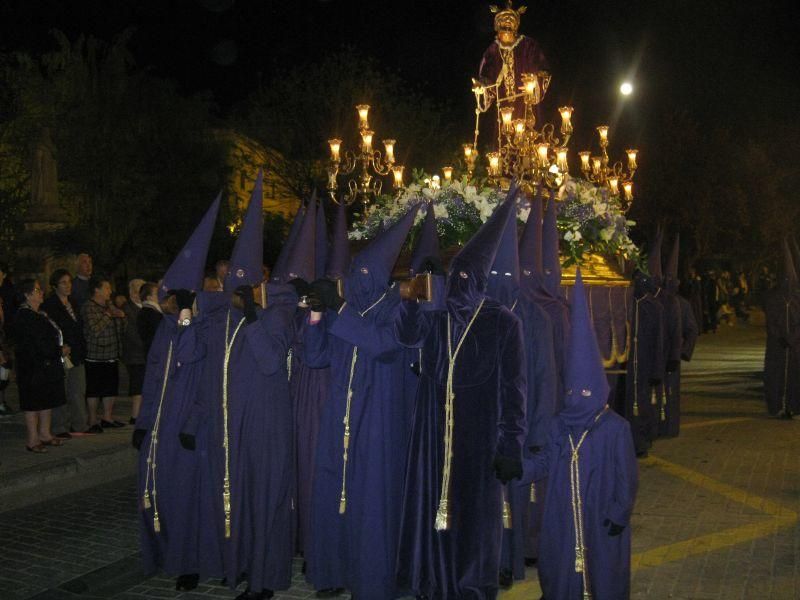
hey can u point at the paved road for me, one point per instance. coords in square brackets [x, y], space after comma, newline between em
[716, 517]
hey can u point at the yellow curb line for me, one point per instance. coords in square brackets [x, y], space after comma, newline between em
[781, 517]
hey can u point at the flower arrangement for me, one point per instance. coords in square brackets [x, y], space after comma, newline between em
[589, 220]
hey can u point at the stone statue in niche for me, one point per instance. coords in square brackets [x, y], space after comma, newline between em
[44, 173]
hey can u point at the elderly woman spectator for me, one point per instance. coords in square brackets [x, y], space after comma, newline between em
[61, 308]
[40, 352]
[133, 352]
[103, 324]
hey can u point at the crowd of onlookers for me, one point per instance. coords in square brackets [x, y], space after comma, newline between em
[723, 297]
[64, 345]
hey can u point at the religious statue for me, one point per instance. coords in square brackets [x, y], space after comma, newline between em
[510, 55]
[44, 173]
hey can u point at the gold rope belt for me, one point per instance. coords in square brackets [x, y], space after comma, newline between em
[636, 360]
[442, 513]
[226, 482]
[150, 473]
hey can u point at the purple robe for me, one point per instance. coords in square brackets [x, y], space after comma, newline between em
[171, 480]
[645, 365]
[260, 438]
[357, 548]
[782, 355]
[608, 483]
[673, 344]
[671, 426]
[489, 418]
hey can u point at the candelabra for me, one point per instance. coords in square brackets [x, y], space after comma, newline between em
[366, 164]
[600, 171]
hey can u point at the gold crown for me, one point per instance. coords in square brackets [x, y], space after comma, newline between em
[508, 13]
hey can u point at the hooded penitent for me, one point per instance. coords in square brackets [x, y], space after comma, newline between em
[671, 281]
[321, 243]
[278, 272]
[550, 259]
[339, 258]
[654, 259]
[247, 258]
[427, 244]
[470, 412]
[503, 284]
[592, 479]
[186, 271]
[300, 260]
[782, 357]
[363, 432]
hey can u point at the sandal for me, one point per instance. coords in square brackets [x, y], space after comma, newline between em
[52, 442]
[37, 449]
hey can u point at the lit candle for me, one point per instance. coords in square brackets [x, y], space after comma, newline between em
[613, 185]
[603, 133]
[436, 182]
[530, 85]
[366, 140]
[494, 163]
[519, 126]
[467, 150]
[507, 114]
[628, 187]
[566, 119]
[335, 145]
[561, 159]
[389, 145]
[397, 171]
[584, 160]
[596, 163]
[631, 159]
[448, 173]
[363, 116]
[541, 151]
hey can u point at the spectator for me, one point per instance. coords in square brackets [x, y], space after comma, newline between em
[40, 352]
[5, 365]
[221, 271]
[150, 316]
[133, 353]
[80, 285]
[211, 284]
[60, 307]
[120, 301]
[102, 327]
[7, 294]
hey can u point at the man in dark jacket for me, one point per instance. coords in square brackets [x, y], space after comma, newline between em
[149, 317]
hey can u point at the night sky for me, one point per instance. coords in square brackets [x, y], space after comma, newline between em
[730, 63]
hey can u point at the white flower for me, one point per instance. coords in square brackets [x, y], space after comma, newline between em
[523, 214]
[607, 233]
[440, 211]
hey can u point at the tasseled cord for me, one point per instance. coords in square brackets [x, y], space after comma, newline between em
[226, 482]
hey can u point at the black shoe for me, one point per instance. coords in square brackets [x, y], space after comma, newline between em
[506, 578]
[186, 583]
[64, 435]
[111, 424]
[303, 569]
[531, 562]
[262, 595]
[330, 592]
[95, 429]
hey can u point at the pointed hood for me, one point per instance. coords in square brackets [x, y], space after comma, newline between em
[654, 259]
[372, 267]
[278, 273]
[300, 260]
[530, 244]
[586, 383]
[339, 258]
[503, 283]
[186, 271]
[671, 280]
[247, 259]
[789, 274]
[469, 270]
[427, 243]
[551, 262]
[321, 241]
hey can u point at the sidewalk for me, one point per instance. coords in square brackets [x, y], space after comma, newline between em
[81, 462]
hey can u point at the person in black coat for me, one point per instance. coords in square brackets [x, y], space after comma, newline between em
[60, 306]
[149, 318]
[40, 352]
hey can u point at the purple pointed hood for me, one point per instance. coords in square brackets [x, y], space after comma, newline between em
[372, 267]
[247, 259]
[186, 271]
[469, 270]
[300, 260]
[427, 243]
[671, 280]
[339, 257]
[586, 383]
[503, 284]
[321, 240]
[654, 259]
[278, 272]
[551, 262]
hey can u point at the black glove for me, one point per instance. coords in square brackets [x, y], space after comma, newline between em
[672, 365]
[183, 298]
[613, 529]
[315, 303]
[685, 357]
[325, 290]
[301, 287]
[506, 469]
[138, 438]
[783, 342]
[245, 292]
[187, 441]
[433, 265]
[654, 381]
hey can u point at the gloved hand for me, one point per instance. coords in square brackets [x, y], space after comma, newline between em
[506, 469]
[613, 529]
[685, 357]
[433, 265]
[245, 292]
[315, 303]
[672, 365]
[325, 290]
[187, 441]
[138, 438]
[301, 287]
[183, 298]
[783, 342]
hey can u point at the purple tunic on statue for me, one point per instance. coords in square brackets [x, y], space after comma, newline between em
[260, 444]
[170, 479]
